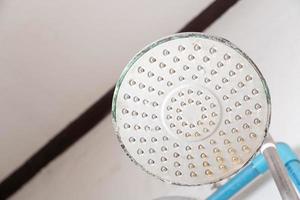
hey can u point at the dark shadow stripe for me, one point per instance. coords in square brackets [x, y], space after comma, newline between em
[92, 116]
[208, 16]
[57, 145]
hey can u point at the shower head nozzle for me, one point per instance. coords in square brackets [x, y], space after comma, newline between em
[191, 109]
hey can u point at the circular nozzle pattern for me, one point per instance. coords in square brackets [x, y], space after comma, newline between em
[191, 113]
[191, 109]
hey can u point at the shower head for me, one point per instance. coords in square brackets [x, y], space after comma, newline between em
[191, 109]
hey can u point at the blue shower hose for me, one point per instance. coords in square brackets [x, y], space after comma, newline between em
[257, 167]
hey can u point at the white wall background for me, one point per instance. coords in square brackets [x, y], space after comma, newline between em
[57, 57]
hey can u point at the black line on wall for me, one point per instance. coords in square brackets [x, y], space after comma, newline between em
[92, 116]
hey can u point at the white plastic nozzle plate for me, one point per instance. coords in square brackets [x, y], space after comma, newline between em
[191, 109]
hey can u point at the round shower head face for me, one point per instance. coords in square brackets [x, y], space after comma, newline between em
[191, 109]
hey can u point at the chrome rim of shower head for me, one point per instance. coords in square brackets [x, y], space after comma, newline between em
[191, 109]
